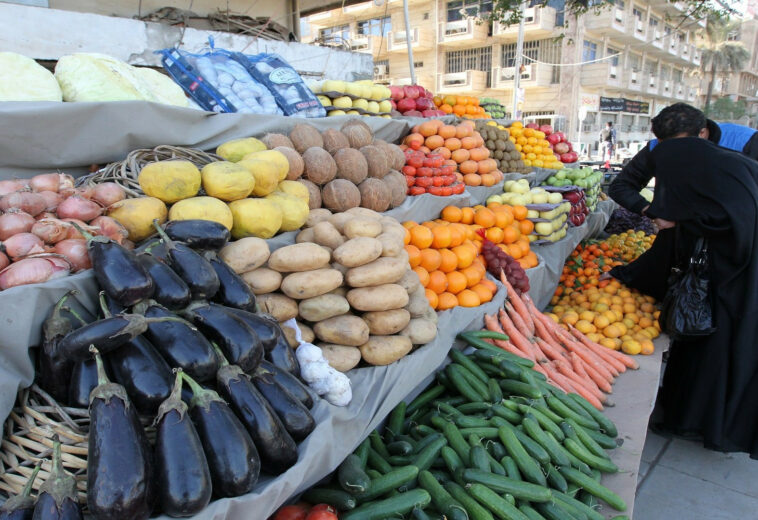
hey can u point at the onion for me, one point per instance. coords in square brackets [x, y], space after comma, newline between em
[33, 270]
[44, 215]
[108, 193]
[11, 186]
[52, 230]
[75, 251]
[85, 192]
[23, 244]
[78, 207]
[72, 231]
[45, 182]
[110, 228]
[31, 203]
[66, 182]
[4, 261]
[52, 199]
[15, 222]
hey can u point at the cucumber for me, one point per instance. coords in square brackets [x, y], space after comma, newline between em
[419, 514]
[471, 379]
[544, 421]
[453, 462]
[495, 466]
[485, 433]
[567, 413]
[511, 405]
[511, 387]
[440, 476]
[441, 499]
[530, 512]
[372, 474]
[400, 460]
[520, 490]
[506, 413]
[511, 469]
[588, 442]
[475, 407]
[457, 442]
[461, 384]
[603, 464]
[496, 393]
[588, 499]
[398, 505]
[426, 457]
[511, 369]
[530, 470]
[362, 451]
[423, 431]
[545, 410]
[588, 511]
[554, 478]
[466, 421]
[532, 428]
[395, 422]
[426, 441]
[456, 400]
[571, 404]
[474, 510]
[595, 488]
[490, 369]
[425, 398]
[400, 447]
[477, 342]
[536, 451]
[527, 376]
[376, 462]
[609, 443]
[496, 449]
[478, 459]
[447, 409]
[458, 357]
[553, 511]
[378, 444]
[442, 379]
[500, 507]
[571, 509]
[596, 475]
[342, 500]
[351, 476]
[606, 425]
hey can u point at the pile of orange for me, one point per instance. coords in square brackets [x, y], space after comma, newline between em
[535, 149]
[446, 258]
[462, 106]
[461, 146]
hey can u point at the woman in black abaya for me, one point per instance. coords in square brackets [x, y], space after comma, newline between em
[710, 387]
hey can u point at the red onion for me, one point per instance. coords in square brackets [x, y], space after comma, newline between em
[52, 199]
[44, 215]
[73, 233]
[108, 193]
[75, 251]
[21, 245]
[80, 208]
[45, 182]
[52, 230]
[15, 222]
[110, 228]
[11, 186]
[4, 261]
[66, 182]
[31, 203]
[85, 192]
[33, 270]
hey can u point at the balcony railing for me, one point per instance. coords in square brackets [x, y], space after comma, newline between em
[666, 88]
[652, 85]
[603, 74]
[634, 81]
[538, 21]
[639, 29]
[609, 20]
[468, 81]
[657, 39]
[368, 43]
[672, 45]
[534, 75]
[421, 39]
[462, 32]
[697, 54]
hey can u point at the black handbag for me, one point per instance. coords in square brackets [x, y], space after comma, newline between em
[687, 311]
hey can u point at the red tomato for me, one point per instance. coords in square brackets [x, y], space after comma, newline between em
[409, 170]
[436, 190]
[424, 182]
[323, 507]
[424, 172]
[449, 180]
[292, 513]
[447, 191]
[416, 190]
[438, 181]
[458, 188]
[322, 514]
[410, 180]
[447, 169]
[415, 161]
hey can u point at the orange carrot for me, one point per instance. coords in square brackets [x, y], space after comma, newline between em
[564, 367]
[518, 304]
[517, 320]
[607, 369]
[549, 350]
[601, 382]
[493, 325]
[581, 390]
[623, 358]
[518, 340]
[600, 352]
[544, 334]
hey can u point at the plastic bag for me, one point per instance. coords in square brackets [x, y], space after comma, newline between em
[23, 79]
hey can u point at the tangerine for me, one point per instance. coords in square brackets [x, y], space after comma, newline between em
[432, 298]
[446, 301]
[423, 275]
[421, 236]
[456, 282]
[467, 216]
[442, 237]
[465, 255]
[430, 259]
[452, 214]
[414, 255]
[449, 261]
[468, 298]
[437, 282]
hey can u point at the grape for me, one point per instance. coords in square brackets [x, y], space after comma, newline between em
[497, 260]
[623, 220]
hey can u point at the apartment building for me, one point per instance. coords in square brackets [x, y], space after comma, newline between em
[622, 64]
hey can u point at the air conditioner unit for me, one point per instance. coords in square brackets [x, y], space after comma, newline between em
[612, 72]
[639, 26]
[380, 70]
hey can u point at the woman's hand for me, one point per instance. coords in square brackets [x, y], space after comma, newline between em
[663, 223]
[604, 276]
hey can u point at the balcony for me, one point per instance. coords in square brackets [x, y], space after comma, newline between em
[638, 29]
[633, 81]
[457, 82]
[680, 92]
[462, 33]
[667, 88]
[538, 22]
[657, 39]
[369, 44]
[697, 55]
[685, 52]
[609, 22]
[652, 85]
[600, 75]
[422, 39]
[672, 45]
[534, 75]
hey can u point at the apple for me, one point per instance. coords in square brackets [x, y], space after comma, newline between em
[495, 198]
[354, 89]
[554, 198]
[377, 92]
[413, 113]
[353, 113]
[411, 91]
[429, 113]
[331, 85]
[532, 213]
[386, 106]
[561, 135]
[543, 228]
[561, 148]
[360, 103]
[528, 199]
[343, 102]
[553, 139]
[571, 148]
[424, 103]
[325, 101]
[396, 93]
[533, 126]
[336, 113]
[540, 198]
[508, 184]
[373, 107]
[406, 104]
[574, 197]
[546, 129]
[393, 104]
[568, 157]
[516, 200]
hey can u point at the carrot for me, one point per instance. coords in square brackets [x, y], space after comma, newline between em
[579, 389]
[518, 304]
[607, 369]
[492, 324]
[519, 341]
[517, 320]
[601, 382]
[549, 350]
[601, 352]
[564, 367]
[545, 336]
[623, 358]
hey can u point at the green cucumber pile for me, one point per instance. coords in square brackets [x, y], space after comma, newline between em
[489, 439]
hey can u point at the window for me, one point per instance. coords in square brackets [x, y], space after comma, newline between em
[337, 34]
[637, 13]
[653, 23]
[470, 59]
[508, 55]
[651, 67]
[375, 26]
[667, 30]
[589, 51]
[462, 9]
[418, 64]
[426, 16]
[678, 76]
[733, 36]
[615, 59]
[618, 3]
[634, 62]
[546, 51]
[665, 73]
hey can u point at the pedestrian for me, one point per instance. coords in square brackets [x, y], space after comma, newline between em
[607, 143]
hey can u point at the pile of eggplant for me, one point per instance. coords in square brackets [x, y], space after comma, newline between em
[179, 343]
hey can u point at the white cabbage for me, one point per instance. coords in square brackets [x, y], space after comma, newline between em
[23, 79]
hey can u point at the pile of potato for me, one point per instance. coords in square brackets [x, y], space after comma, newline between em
[348, 283]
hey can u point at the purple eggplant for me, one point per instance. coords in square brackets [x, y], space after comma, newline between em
[232, 458]
[155, 248]
[283, 356]
[54, 373]
[119, 460]
[182, 477]
[198, 234]
[191, 267]
[143, 373]
[170, 290]
[21, 507]
[232, 290]
[57, 496]
[296, 418]
[83, 381]
[268, 332]
[290, 382]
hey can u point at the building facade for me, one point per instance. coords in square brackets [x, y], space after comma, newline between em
[623, 63]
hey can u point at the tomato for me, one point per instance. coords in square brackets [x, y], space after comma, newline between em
[424, 172]
[409, 170]
[323, 507]
[416, 190]
[438, 181]
[458, 188]
[424, 182]
[447, 191]
[410, 180]
[292, 513]
[436, 190]
[449, 180]
[447, 169]
[322, 514]
[415, 161]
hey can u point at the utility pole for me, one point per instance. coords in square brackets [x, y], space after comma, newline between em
[408, 41]
[517, 63]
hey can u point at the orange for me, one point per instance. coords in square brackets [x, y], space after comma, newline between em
[487, 178]
[449, 261]
[483, 292]
[452, 214]
[434, 141]
[442, 237]
[446, 301]
[468, 298]
[467, 167]
[457, 234]
[430, 259]
[489, 284]
[446, 108]
[423, 275]
[408, 224]
[460, 155]
[472, 179]
[468, 143]
[444, 152]
[524, 245]
[467, 215]
[456, 282]
[465, 255]
[526, 226]
[459, 110]
[414, 255]
[446, 131]
[421, 236]
[503, 217]
[519, 212]
[473, 276]
[437, 282]
[462, 131]
[485, 218]
[494, 235]
[432, 297]
[479, 154]
[452, 143]
[509, 235]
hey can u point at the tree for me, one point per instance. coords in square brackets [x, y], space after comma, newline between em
[725, 109]
[719, 53]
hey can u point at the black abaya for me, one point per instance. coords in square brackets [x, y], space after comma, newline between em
[649, 273]
[710, 387]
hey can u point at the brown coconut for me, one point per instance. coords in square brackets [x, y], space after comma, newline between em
[304, 136]
[358, 133]
[398, 186]
[375, 195]
[297, 165]
[396, 157]
[320, 167]
[314, 194]
[376, 160]
[276, 140]
[351, 165]
[341, 195]
[334, 140]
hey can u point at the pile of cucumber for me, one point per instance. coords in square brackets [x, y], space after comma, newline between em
[490, 439]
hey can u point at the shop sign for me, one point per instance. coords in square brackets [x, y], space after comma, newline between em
[624, 105]
[590, 101]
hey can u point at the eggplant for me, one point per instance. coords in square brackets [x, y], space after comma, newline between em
[295, 417]
[119, 460]
[57, 496]
[283, 356]
[155, 248]
[268, 331]
[198, 234]
[291, 383]
[83, 381]
[181, 345]
[117, 270]
[182, 477]
[21, 507]
[238, 342]
[54, 374]
[143, 373]
[232, 290]
[170, 290]
[232, 458]
[191, 267]
[278, 450]
[112, 306]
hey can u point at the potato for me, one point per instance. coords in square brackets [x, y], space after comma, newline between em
[381, 271]
[299, 257]
[340, 291]
[245, 254]
[342, 330]
[306, 333]
[317, 215]
[431, 315]
[389, 221]
[306, 235]
[341, 357]
[263, 280]
[410, 281]
[391, 244]
[325, 234]
[420, 331]
[323, 307]
[362, 227]
[339, 267]
[383, 350]
[308, 284]
[365, 213]
[289, 335]
[339, 220]
[380, 298]
[358, 251]
[403, 256]
[278, 305]
[383, 323]
[418, 304]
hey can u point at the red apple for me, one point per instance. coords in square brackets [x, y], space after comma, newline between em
[553, 139]
[410, 91]
[571, 148]
[561, 135]
[423, 103]
[429, 113]
[533, 126]
[567, 157]
[562, 149]
[396, 93]
[546, 129]
[406, 104]
[413, 113]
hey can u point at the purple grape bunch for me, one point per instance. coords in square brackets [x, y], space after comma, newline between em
[497, 260]
[623, 220]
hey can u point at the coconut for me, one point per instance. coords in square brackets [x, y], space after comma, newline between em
[376, 160]
[297, 165]
[398, 186]
[358, 133]
[314, 194]
[320, 167]
[396, 157]
[306, 136]
[375, 195]
[341, 195]
[276, 140]
[351, 165]
[334, 140]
